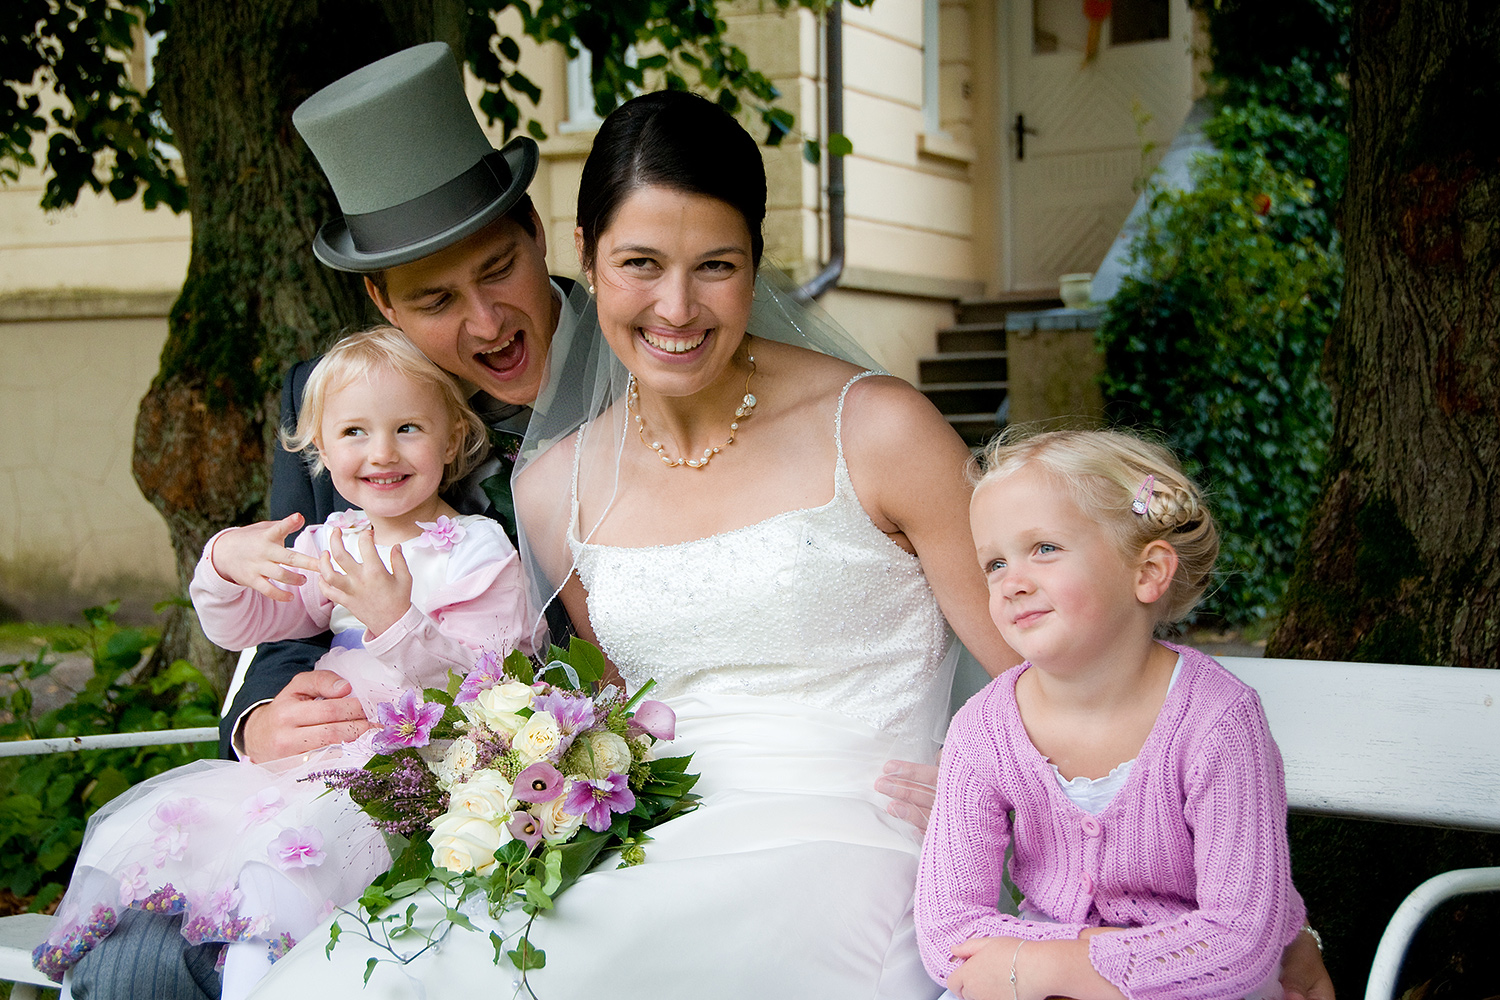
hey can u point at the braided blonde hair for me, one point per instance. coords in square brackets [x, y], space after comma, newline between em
[1103, 471]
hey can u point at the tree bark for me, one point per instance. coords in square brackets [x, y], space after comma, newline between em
[255, 299]
[1398, 563]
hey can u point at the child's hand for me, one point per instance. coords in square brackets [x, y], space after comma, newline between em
[374, 596]
[985, 973]
[255, 556]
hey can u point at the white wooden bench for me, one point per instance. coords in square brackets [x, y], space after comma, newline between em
[1373, 741]
[1396, 743]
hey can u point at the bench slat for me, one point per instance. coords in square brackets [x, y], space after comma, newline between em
[1407, 744]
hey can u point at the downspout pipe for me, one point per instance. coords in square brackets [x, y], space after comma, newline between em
[834, 47]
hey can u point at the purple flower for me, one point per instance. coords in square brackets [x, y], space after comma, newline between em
[656, 719]
[541, 782]
[166, 900]
[442, 534]
[487, 672]
[300, 848]
[408, 722]
[574, 713]
[596, 798]
[526, 828]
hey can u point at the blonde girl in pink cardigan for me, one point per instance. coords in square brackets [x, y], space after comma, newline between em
[1135, 782]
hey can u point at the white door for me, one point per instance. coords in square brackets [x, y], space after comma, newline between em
[1078, 126]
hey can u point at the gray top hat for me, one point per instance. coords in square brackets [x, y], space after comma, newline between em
[408, 162]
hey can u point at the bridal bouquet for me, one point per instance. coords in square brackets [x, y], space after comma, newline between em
[507, 787]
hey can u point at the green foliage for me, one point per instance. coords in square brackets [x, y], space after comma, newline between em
[1216, 340]
[48, 798]
[634, 45]
[78, 52]
[105, 134]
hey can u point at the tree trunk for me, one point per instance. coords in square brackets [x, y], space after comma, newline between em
[255, 299]
[1398, 563]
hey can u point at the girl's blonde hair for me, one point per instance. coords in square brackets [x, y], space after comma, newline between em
[1104, 471]
[384, 348]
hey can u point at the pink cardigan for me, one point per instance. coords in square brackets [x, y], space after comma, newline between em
[1191, 853]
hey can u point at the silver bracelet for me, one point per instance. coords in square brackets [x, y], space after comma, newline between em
[1014, 994]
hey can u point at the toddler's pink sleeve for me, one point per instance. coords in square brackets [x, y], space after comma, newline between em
[236, 617]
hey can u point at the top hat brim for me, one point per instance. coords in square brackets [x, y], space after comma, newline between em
[422, 226]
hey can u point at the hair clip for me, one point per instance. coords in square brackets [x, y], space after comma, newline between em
[1142, 501]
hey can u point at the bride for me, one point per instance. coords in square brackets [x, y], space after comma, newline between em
[775, 535]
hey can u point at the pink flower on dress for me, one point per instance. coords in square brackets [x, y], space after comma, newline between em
[172, 821]
[440, 535]
[133, 884]
[348, 520]
[300, 848]
[261, 807]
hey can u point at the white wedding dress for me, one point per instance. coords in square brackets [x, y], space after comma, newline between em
[800, 653]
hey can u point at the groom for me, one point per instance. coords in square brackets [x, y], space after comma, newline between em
[453, 253]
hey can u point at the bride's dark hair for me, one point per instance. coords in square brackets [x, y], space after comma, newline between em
[671, 139]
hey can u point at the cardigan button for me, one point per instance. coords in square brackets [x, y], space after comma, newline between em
[1088, 886]
[1090, 826]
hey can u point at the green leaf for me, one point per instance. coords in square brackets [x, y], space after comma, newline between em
[526, 957]
[370, 969]
[333, 938]
[812, 152]
[839, 145]
[518, 665]
[586, 658]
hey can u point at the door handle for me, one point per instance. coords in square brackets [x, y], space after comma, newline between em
[1022, 130]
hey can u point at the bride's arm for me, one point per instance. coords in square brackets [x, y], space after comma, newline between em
[543, 506]
[908, 467]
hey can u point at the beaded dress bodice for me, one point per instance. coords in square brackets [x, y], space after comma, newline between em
[815, 605]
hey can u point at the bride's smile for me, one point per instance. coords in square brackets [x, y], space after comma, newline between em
[675, 278]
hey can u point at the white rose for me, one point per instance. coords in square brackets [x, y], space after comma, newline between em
[539, 738]
[557, 823]
[458, 763]
[485, 795]
[604, 752]
[460, 843]
[503, 699]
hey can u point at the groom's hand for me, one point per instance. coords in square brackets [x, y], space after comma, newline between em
[312, 711]
[912, 787]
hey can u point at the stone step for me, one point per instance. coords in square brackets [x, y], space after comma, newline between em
[974, 428]
[967, 338]
[965, 397]
[962, 366]
[994, 310]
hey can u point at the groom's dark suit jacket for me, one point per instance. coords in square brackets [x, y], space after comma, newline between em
[294, 489]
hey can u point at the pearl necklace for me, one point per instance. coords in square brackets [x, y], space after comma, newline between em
[745, 409]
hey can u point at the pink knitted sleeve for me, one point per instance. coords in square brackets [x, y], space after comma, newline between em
[960, 876]
[1247, 910]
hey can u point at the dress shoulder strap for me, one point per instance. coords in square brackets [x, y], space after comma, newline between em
[841, 468]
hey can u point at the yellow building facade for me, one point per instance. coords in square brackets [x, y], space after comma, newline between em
[991, 155]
